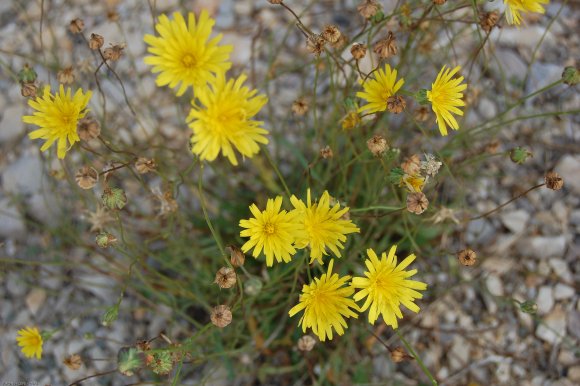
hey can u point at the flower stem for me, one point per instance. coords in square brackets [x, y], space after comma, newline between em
[506, 203]
[206, 216]
[419, 361]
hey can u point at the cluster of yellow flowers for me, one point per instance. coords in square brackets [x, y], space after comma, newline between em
[326, 301]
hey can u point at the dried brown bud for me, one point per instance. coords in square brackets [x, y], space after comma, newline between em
[237, 257]
[386, 47]
[488, 20]
[492, 147]
[439, 2]
[299, 106]
[368, 8]
[398, 354]
[73, 362]
[377, 145]
[467, 257]
[88, 128]
[396, 104]
[96, 41]
[143, 345]
[66, 75]
[331, 33]
[417, 202]
[221, 316]
[225, 277]
[306, 343]
[28, 90]
[422, 114]
[114, 52]
[275, 1]
[315, 44]
[411, 165]
[76, 26]
[145, 165]
[87, 177]
[358, 51]
[554, 181]
[326, 152]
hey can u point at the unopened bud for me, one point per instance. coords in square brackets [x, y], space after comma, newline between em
[105, 239]
[571, 76]
[114, 198]
[519, 155]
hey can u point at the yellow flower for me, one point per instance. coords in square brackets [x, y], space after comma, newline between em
[414, 183]
[351, 120]
[326, 304]
[321, 226]
[224, 120]
[272, 230]
[386, 287]
[378, 90]
[184, 53]
[31, 342]
[57, 116]
[445, 97]
[514, 7]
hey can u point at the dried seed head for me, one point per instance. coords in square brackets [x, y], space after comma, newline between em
[76, 26]
[326, 152]
[358, 51]
[368, 8]
[300, 106]
[221, 316]
[467, 257]
[225, 277]
[377, 145]
[145, 165]
[439, 2]
[331, 33]
[87, 177]
[73, 362]
[417, 202]
[430, 166]
[492, 147]
[488, 20]
[554, 181]
[386, 47]
[306, 343]
[114, 52]
[315, 44]
[66, 75]
[422, 114]
[28, 90]
[411, 165]
[341, 42]
[398, 354]
[88, 128]
[96, 41]
[350, 121]
[237, 257]
[396, 104]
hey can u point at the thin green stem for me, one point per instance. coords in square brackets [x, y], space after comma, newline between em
[419, 361]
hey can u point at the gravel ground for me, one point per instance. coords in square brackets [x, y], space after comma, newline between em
[528, 251]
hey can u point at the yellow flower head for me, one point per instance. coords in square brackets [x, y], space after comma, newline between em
[326, 304]
[414, 182]
[321, 226]
[57, 116]
[184, 53]
[378, 90]
[224, 120]
[31, 342]
[514, 7]
[272, 230]
[386, 287]
[445, 97]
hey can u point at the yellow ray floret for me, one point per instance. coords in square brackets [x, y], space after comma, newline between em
[272, 230]
[378, 89]
[386, 286]
[446, 97]
[321, 226]
[57, 116]
[183, 54]
[30, 340]
[326, 304]
[222, 121]
[514, 9]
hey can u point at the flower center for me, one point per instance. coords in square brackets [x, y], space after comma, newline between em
[269, 228]
[188, 61]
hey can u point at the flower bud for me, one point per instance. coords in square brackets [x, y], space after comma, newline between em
[519, 155]
[105, 239]
[114, 198]
[529, 307]
[571, 76]
[27, 74]
[110, 316]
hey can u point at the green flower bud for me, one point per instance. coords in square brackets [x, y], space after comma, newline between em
[114, 198]
[105, 239]
[421, 97]
[27, 74]
[162, 363]
[529, 307]
[377, 17]
[519, 155]
[253, 286]
[129, 360]
[110, 315]
[396, 176]
[571, 76]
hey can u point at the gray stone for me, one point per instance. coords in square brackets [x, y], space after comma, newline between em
[487, 108]
[11, 125]
[479, 231]
[35, 299]
[24, 176]
[494, 285]
[545, 300]
[543, 247]
[553, 327]
[15, 285]
[11, 221]
[528, 36]
[510, 63]
[516, 221]
[561, 268]
[574, 323]
[569, 168]
[563, 291]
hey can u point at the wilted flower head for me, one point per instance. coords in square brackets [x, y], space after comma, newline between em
[221, 316]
